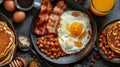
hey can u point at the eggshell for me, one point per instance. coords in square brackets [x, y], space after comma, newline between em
[9, 5]
[19, 16]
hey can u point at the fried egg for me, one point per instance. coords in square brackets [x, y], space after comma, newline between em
[74, 31]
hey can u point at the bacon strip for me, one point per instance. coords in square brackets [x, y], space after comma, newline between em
[45, 11]
[49, 19]
[54, 17]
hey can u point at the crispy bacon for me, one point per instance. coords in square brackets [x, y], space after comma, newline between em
[46, 7]
[54, 17]
[43, 18]
[45, 11]
[40, 30]
[49, 19]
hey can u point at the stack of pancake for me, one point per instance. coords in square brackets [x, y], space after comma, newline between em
[7, 44]
[113, 37]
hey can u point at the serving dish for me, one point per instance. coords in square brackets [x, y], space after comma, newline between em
[74, 57]
[103, 55]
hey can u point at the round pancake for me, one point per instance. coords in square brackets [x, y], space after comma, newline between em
[9, 57]
[2, 58]
[7, 39]
[113, 37]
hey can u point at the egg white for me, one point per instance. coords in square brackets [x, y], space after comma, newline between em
[64, 34]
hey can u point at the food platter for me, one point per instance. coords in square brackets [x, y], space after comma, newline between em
[105, 27]
[70, 58]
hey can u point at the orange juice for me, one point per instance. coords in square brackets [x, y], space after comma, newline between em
[101, 7]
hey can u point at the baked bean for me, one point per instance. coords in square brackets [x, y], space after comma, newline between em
[100, 39]
[56, 39]
[42, 50]
[53, 49]
[103, 48]
[58, 55]
[51, 39]
[106, 46]
[56, 44]
[51, 56]
[100, 45]
[46, 51]
[41, 45]
[54, 54]
[62, 54]
[101, 36]
[42, 38]
[106, 53]
[52, 44]
[38, 43]
[103, 33]
[41, 41]
[109, 52]
[110, 57]
[49, 53]
[49, 45]
[44, 42]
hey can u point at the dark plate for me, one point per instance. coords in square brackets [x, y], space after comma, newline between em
[74, 57]
[115, 60]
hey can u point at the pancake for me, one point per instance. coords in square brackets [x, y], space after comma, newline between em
[9, 57]
[113, 37]
[6, 39]
[2, 58]
[7, 44]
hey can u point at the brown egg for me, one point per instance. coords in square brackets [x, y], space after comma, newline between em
[9, 5]
[19, 16]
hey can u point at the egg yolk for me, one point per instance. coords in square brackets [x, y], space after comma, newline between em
[83, 35]
[59, 26]
[70, 39]
[76, 28]
[75, 14]
[78, 44]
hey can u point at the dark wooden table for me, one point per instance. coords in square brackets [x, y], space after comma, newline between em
[24, 28]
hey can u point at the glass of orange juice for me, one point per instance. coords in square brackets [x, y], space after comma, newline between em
[101, 7]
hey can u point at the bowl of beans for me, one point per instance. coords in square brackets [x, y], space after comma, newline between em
[103, 45]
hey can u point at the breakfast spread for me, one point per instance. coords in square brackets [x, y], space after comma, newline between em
[7, 44]
[62, 32]
[110, 39]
